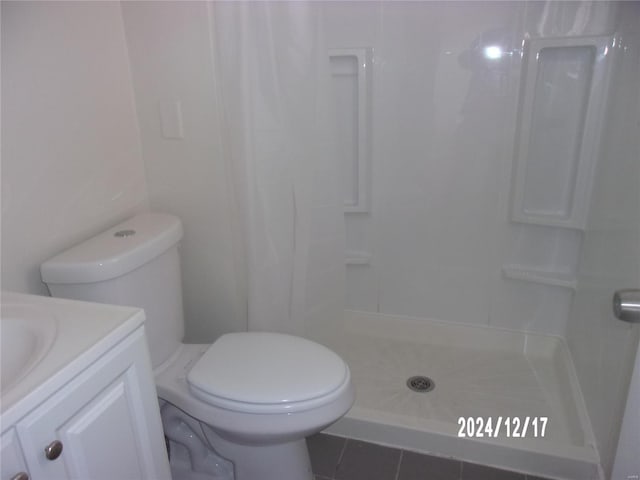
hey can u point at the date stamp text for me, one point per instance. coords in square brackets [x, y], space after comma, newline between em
[509, 427]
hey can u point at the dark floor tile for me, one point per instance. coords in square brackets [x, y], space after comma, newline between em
[325, 451]
[366, 461]
[471, 471]
[415, 466]
[533, 477]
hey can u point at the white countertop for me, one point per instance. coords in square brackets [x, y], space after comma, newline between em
[85, 332]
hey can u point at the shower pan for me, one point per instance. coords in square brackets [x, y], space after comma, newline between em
[486, 384]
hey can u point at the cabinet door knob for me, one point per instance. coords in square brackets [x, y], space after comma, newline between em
[20, 476]
[53, 450]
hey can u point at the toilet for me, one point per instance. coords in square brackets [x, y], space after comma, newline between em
[240, 407]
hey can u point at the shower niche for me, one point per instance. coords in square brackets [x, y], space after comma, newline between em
[351, 84]
[560, 122]
[350, 81]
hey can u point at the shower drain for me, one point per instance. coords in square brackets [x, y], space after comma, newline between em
[420, 384]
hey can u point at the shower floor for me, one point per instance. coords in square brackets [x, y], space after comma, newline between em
[478, 372]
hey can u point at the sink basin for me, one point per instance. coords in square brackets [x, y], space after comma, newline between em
[26, 335]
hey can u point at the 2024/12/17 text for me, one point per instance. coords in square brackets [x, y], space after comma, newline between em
[509, 427]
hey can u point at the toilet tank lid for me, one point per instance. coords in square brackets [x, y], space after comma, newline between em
[115, 252]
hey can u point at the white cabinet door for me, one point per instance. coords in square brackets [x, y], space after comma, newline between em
[11, 460]
[106, 419]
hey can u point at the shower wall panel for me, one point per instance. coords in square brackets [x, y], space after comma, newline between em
[603, 348]
[438, 238]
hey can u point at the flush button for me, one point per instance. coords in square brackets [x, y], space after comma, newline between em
[124, 233]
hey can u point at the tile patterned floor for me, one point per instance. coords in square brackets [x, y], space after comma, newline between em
[337, 458]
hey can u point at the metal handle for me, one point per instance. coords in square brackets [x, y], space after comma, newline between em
[626, 305]
[20, 476]
[53, 450]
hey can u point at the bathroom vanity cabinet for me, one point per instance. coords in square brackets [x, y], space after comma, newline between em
[96, 418]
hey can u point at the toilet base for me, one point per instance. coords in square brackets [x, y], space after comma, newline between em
[260, 447]
[190, 454]
[200, 453]
[288, 460]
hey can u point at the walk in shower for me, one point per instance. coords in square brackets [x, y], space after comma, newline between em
[485, 151]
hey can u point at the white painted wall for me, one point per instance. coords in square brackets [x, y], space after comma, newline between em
[443, 126]
[74, 138]
[71, 159]
[170, 50]
[603, 348]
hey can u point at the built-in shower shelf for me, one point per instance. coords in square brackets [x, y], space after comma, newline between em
[351, 86]
[357, 258]
[538, 275]
[562, 103]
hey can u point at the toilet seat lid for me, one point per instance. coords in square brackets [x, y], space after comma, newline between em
[262, 368]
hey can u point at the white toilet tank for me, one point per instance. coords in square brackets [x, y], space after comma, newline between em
[135, 263]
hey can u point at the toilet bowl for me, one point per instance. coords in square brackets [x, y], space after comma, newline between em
[250, 398]
[259, 427]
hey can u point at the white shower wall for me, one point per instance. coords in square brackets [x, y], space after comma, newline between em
[443, 120]
[603, 348]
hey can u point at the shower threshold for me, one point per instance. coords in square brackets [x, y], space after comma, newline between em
[485, 383]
